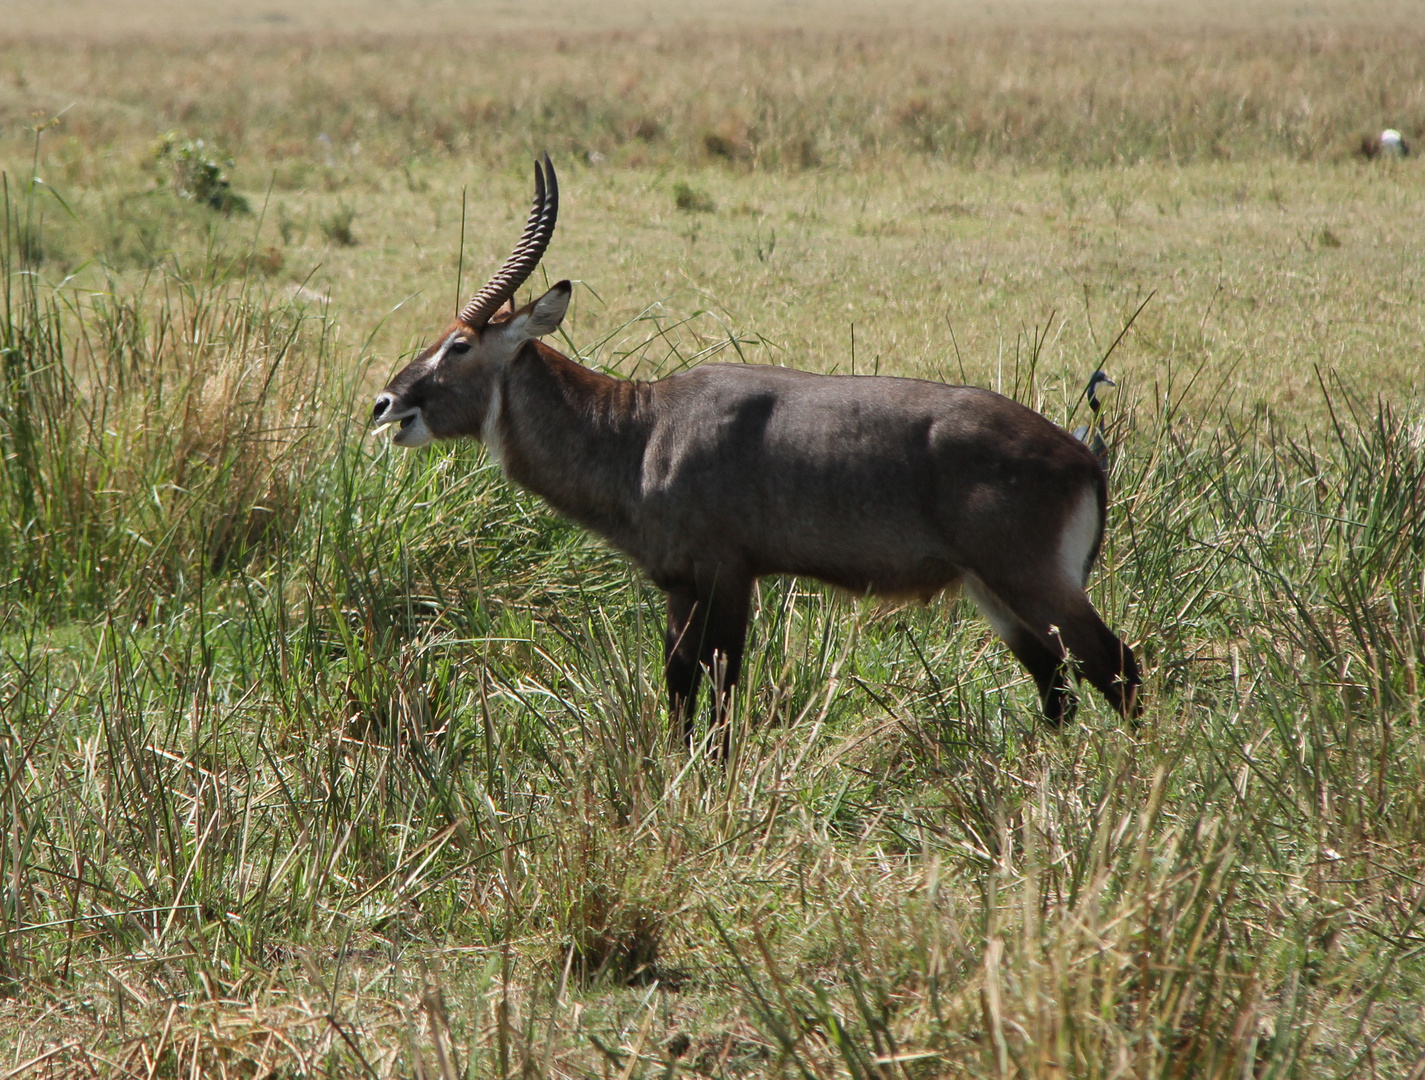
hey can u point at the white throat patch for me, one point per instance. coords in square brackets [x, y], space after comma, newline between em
[490, 428]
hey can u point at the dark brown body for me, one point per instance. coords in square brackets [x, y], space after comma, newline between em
[879, 485]
[894, 487]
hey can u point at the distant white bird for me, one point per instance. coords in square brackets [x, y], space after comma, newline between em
[1389, 143]
[1091, 434]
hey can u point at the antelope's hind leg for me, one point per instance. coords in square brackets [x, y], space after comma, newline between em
[1050, 672]
[1098, 654]
[1105, 660]
[1072, 629]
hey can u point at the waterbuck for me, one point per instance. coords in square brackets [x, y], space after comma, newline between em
[714, 477]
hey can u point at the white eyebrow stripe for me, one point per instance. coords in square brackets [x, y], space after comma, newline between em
[439, 354]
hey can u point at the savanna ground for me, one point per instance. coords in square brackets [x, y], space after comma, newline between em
[321, 758]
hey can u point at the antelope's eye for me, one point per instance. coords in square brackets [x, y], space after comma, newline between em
[460, 345]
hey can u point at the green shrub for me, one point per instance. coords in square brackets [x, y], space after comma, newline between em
[336, 226]
[691, 199]
[191, 173]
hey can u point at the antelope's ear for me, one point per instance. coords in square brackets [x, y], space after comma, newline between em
[545, 314]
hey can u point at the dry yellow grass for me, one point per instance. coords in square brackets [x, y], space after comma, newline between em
[545, 20]
[976, 174]
[983, 182]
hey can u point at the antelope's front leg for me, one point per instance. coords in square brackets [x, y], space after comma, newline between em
[707, 628]
[724, 638]
[722, 619]
[681, 670]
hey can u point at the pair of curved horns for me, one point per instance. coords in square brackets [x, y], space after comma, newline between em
[527, 253]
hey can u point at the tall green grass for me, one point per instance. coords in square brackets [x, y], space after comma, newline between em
[320, 758]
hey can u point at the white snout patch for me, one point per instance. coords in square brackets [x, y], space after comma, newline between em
[411, 430]
[1078, 540]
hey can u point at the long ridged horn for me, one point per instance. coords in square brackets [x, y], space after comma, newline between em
[527, 253]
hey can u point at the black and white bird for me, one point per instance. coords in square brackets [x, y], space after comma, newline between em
[1388, 144]
[1091, 434]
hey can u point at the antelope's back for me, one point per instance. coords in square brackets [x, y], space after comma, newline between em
[868, 481]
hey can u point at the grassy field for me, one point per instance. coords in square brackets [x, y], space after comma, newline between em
[319, 758]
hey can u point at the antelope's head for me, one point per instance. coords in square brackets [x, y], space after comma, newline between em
[446, 392]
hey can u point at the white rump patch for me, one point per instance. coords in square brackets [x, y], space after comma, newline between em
[490, 428]
[1078, 539]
